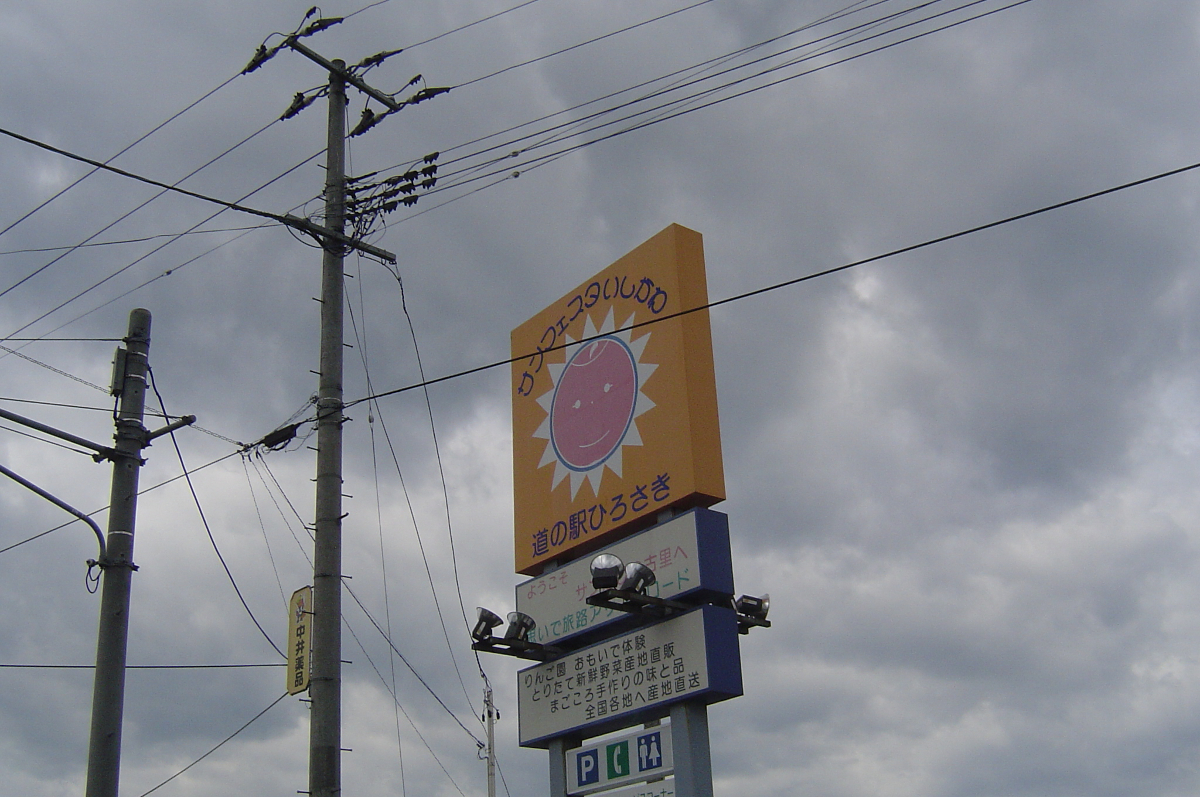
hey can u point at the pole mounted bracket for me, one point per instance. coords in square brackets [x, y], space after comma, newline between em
[324, 234]
[517, 647]
[105, 563]
[186, 420]
[631, 602]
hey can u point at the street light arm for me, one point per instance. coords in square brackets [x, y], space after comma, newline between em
[61, 505]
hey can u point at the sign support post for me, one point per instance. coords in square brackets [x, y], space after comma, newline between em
[693, 757]
[558, 763]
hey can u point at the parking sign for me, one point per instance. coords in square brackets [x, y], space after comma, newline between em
[635, 755]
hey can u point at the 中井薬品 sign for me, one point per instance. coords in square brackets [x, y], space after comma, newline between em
[299, 648]
[631, 678]
[615, 411]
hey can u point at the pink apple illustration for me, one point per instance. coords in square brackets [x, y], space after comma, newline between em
[594, 403]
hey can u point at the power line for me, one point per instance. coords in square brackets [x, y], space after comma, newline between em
[126, 215]
[693, 68]
[412, 669]
[147, 180]
[72, 449]
[396, 700]
[412, 512]
[159, 249]
[207, 528]
[625, 29]
[120, 242]
[361, 341]
[143, 666]
[119, 154]
[218, 746]
[681, 103]
[105, 508]
[162, 275]
[56, 404]
[49, 367]
[788, 283]
[470, 24]
[441, 469]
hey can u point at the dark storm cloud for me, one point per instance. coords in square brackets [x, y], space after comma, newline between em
[965, 475]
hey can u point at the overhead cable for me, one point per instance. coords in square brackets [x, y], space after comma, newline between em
[795, 281]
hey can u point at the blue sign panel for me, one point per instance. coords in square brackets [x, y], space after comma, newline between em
[587, 767]
[649, 750]
[636, 755]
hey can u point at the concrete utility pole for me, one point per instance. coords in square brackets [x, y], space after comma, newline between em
[116, 555]
[108, 695]
[325, 729]
[490, 709]
[325, 684]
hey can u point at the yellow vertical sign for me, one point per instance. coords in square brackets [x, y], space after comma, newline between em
[615, 404]
[299, 640]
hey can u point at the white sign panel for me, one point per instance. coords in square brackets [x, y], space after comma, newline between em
[687, 553]
[662, 788]
[631, 678]
[634, 756]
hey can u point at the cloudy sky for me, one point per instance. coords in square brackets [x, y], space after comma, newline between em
[965, 474]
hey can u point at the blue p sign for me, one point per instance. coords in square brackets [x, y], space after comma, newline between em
[587, 767]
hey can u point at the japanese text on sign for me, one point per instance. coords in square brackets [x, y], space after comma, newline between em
[625, 675]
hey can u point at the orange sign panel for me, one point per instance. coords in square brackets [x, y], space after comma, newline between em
[614, 410]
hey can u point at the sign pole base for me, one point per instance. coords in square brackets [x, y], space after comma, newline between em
[693, 759]
[558, 763]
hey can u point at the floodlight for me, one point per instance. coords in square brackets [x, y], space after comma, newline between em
[606, 571]
[484, 625]
[753, 607]
[519, 626]
[636, 578]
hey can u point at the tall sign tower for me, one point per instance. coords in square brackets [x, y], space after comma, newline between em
[630, 612]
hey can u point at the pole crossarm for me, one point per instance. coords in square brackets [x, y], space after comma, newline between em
[346, 75]
[312, 228]
[186, 420]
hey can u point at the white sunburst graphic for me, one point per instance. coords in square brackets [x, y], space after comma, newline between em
[592, 409]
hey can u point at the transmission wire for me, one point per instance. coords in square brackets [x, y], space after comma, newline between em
[219, 745]
[207, 528]
[119, 154]
[121, 218]
[795, 281]
[420, 542]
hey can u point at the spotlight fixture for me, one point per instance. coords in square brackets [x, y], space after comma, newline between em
[515, 641]
[752, 612]
[622, 587]
[636, 578]
[484, 625]
[519, 626]
[607, 570]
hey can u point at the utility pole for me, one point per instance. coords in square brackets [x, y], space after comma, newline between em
[490, 709]
[116, 555]
[108, 695]
[116, 561]
[369, 201]
[325, 729]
